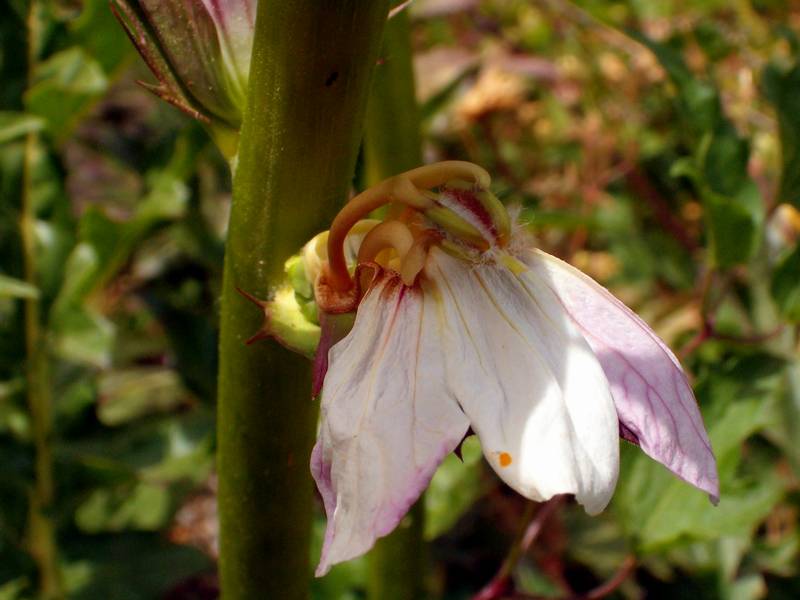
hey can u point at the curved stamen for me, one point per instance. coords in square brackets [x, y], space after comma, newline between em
[389, 234]
[431, 176]
[403, 188]
[396, 189]
[414, 260]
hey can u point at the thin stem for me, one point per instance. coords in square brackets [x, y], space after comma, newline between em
[610, 586]
[41, 530]
[532, 523]
[310, 70]
[708, 330]
[392, 145]
[603, 590]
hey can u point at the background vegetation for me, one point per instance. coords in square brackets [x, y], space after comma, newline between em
[655, 145]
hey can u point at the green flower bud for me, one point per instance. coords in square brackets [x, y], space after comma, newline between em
[199, 51]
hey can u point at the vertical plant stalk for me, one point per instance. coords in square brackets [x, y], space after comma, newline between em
[392, 142]
[533, 519]
[41, 536]
[392, 145]
[309, 77]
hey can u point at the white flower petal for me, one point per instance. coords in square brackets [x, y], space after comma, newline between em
[387, 420]
[532, 388]
[655, 403]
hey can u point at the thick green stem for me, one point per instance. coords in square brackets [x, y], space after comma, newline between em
[312, 60]
[41, 530]
[392, 145]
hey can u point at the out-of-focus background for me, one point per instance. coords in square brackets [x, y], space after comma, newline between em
[655, 145]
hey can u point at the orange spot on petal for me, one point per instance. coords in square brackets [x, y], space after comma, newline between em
[505, 459]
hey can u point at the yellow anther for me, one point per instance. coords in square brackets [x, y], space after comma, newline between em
[515, 266]
[505, 459]
[498, 214]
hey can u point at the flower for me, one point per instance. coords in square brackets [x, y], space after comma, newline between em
[199, 50]
[461, 323]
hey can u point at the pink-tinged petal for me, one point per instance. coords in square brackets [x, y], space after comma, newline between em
[333, 328]
[387, 420]
[532, 388]
[235, 22]
[654, 400]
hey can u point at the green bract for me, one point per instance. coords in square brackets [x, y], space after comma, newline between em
[199, 52]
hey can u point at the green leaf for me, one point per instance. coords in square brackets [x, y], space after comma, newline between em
[733, 205]
[734, 224]
[786, 285]
[79, 273]
[80, 334]
[17, 124]
[596, 541]
[144, 506]
[129, 394]
[15, 589]
[180, 306]
[725, 160]
[64, 86]
[712, 40]
[747, 587]
[98, 32]
[83, 336]
[14, 420]
[166, 199]
[76, 403]
[10, 287]
[113, 243]
[782, 89]
[698, 102]
[453, 489]
[130, 566]
[165, 449]
[531, 579]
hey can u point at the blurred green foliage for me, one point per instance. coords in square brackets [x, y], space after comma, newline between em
[654, 145]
